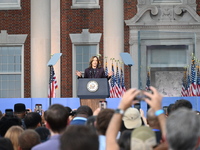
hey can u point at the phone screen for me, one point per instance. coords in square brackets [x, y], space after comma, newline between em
[137, 106]
[38, 108]
[9, 112]
[102, 104]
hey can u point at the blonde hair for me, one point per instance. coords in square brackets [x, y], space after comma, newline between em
[13, 134]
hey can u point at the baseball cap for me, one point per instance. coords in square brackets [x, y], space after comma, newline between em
[132, 118]
[143, 138]
[19, 107]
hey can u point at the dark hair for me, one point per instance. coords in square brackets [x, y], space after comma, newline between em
[91, 60]
[44, 133]
[7, 122]
[32, 119]
[5, 144]
[28, 139]
[90, 122]
[79, 137]
[103, 120]
[57, 116]
[124, 140]
[170, 108]
[86, 110]
[182, 103]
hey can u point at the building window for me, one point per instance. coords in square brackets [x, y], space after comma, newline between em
[10, 71]
[84, 46]
[10, 4]
[11, 65]
[86, 4]
[83, 55]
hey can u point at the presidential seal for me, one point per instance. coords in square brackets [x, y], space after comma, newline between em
[92, 86]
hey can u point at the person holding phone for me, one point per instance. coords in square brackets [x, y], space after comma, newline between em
[94, 70]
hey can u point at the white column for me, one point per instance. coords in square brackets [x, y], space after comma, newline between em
[113, 28]
[55, 39]
[40, 47]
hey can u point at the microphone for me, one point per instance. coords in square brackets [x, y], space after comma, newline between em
[90, 74]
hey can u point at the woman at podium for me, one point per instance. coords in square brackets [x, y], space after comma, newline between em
[94, 70]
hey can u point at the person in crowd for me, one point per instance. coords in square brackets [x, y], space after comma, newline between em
[28, 139]
[102, 122]
[94, 70]
[5, 144]
[143, 138]
[79, 138]
[82, 113]
[124, 140]
[20, 112]
[154, 100]
[183, 130]
[56, 118]
[153, 122]
[170, 109]
[7, 122]
[13, 134]
[44, 133]
[91, 121]
[32, 120]
[131, 119]
[182, 103]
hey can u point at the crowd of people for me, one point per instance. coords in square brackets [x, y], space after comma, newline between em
[125, 128]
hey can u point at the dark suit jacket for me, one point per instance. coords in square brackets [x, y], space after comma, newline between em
[94, 73]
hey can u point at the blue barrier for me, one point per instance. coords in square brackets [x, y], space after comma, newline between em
[8, 103]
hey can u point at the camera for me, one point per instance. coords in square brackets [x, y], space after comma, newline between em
[38, 108]
[141, 96]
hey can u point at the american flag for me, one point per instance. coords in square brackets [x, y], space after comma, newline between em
[148, 81]
[52, 84]
[112, 84]
[117, 84]
[193, 86]
[106, 68]
[123, 88]
[184, 85]
[198, 81]
[187, 87]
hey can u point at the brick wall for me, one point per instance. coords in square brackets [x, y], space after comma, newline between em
[18, 22]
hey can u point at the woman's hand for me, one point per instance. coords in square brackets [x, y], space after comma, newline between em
[78, 73]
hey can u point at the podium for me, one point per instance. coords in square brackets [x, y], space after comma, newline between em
[93, 90]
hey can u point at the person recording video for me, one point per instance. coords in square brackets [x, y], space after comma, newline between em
[94, 70]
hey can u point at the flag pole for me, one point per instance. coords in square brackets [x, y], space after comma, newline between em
[50, 81]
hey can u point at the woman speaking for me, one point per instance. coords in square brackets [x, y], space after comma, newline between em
[94, 70]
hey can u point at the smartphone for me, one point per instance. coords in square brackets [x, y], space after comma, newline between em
[102, 104]
[38, 108]
[137, 106]
[9, 112]
[165, 109]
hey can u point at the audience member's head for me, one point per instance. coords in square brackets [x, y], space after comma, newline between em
[28, 139]
[5, 144]
[103, 119]
[32, 120]
[56, 118]
[79, 137]
[68, 109]
[44, 133]
[13, 134]
[84, 111]
[183, 130]
[152, 119]
[91, 122]
[131, 119]
[182, 103]
[170, 109]
[20, 110]
[143, 138]
[7, 122]
[124, 140]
